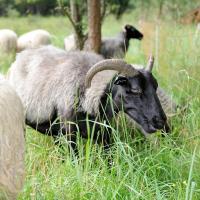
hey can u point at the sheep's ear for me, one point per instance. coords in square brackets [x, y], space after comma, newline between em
[127, 27]
[150, 63]
[121, 80]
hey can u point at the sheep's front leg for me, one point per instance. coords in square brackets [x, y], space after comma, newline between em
[71, 138]
[69, 131]
[100, 136]
[107, 146]
[104, 139]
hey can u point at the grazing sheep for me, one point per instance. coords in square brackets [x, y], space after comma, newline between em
[12, 142]
[56, 85]
[114, 47]
[33, 39]
[8, 41]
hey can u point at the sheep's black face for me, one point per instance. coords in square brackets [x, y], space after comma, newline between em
[137, 97]
[132, 32]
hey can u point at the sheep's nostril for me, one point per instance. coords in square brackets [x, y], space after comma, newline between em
[157, 122]
[166, 128]
[155, 119]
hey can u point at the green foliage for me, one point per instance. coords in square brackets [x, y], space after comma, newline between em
[118, 7]
[176, 8]
[4, 6]
[43, 7]
[171, 8]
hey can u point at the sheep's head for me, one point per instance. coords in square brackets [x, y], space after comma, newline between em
[134, 92]
[132, 32]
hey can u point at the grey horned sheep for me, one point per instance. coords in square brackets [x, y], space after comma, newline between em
[58, 88]
[12, 142]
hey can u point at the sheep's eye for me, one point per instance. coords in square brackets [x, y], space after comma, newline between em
[136, 91]
[121, 80]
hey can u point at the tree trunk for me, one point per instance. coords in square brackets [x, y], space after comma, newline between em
[77, 18]
[94, 25]
[161, 4]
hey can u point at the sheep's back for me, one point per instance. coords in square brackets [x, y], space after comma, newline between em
[47, 79]
[113, 47]
[33, 39]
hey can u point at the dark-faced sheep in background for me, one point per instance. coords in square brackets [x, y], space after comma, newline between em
[116, 47]
[113, 47]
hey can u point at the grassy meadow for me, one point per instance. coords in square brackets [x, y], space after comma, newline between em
[162, 168]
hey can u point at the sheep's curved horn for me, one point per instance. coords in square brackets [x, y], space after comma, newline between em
[110, 64]
[150, 63]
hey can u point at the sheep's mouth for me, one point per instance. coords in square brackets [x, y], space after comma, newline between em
[140, 38]
[149, 128]
[145, 125]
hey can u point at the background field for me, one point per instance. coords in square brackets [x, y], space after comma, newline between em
[162, 168]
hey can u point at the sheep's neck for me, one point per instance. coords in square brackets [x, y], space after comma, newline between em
[125, 39]
[107, 107]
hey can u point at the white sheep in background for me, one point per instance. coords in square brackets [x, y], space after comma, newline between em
[1, 76]
[8, 41]
[12, 142]
[69, 43]
[33, 39]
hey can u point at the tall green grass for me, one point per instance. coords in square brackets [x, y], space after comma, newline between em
[159, 168]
